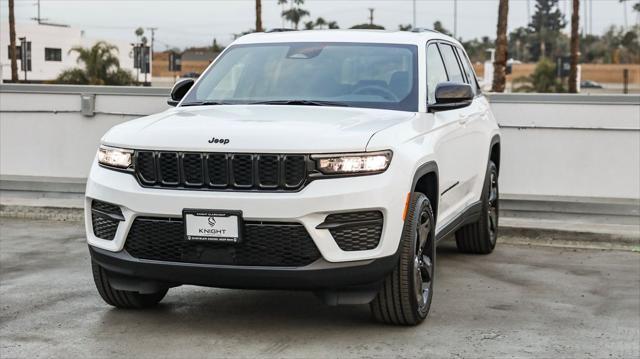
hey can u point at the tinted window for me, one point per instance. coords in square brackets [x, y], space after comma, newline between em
[435, 72]
[359, 75]
[466, 66]
[451, 63]
[52, 54]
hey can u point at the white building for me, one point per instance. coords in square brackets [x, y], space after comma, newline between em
[50, 45]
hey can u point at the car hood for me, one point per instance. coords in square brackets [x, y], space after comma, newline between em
[255, 128]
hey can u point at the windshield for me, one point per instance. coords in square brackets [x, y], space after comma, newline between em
[380, 76]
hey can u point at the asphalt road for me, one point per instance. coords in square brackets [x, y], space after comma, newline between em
[518, 302]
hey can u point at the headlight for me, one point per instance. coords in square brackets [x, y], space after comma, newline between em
[353, 163]
[114, 157]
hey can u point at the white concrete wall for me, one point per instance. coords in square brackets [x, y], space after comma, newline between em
[552, 145]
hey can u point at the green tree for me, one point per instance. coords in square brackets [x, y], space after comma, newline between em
[518, 40]
[320, 23]
[440, 28]
[100, 67]
[546, 24]
[295, 13]
[542, 80]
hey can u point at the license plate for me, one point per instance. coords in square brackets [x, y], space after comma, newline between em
[212, 226]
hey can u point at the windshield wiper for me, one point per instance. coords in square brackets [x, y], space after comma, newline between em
[300, 103]
[204, 103]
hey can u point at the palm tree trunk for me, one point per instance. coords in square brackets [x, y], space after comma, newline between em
[500, 64]
[259, 16]
[12, 43]
[573, 73]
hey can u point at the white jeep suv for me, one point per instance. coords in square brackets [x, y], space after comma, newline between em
[331, 161]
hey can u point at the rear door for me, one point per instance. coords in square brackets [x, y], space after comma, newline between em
[477, 127]
[469, 140]
[451, 139]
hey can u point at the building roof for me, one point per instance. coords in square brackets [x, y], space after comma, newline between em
[351, 35]
[199, 55]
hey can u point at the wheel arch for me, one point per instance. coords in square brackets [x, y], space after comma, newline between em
[494, 151]
[425, 181]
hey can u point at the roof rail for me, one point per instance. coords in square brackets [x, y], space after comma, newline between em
[424, 29]
[280, 30]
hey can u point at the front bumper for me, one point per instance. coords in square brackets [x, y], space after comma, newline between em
[129, 273]
[309, 207]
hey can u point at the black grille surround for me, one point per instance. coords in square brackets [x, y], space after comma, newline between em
[270, 244]
[222, 171]
[355, 231]
[105, 218]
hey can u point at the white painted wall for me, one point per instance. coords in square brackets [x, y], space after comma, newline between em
[64, 38]
[552, 145]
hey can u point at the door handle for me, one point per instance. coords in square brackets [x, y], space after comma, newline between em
[463, 119]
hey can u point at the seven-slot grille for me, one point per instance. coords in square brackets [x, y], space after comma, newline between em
[223, 171]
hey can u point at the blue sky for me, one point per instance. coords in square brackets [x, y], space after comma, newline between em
[183, 23]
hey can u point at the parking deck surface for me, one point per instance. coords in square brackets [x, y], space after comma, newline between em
[519, 301]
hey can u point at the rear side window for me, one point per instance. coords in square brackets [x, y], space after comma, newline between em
[435, 72]
[466, 66]
[451, 63]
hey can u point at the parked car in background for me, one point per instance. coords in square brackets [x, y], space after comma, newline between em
[588, 84]
[330, 161]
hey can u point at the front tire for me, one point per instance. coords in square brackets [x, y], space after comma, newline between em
[406, 293]
[480, 237]
[123, 298]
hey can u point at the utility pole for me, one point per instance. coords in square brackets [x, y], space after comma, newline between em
[528, 10]
[38, 19]
[455, 19]
[591, 16]
[586, 18]
[414, 14]
[153, 34]
[371, 10]
[12, 43]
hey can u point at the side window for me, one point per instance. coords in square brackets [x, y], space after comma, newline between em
[435, 72]
[466, 66]
[451, 63]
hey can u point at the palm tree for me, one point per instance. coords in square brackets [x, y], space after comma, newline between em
[259, 16]
[500, 64]
[575, 38]
[101, 67]
[321, 22]
[294, 15]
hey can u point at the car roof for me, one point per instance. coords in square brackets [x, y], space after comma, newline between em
[351, 35]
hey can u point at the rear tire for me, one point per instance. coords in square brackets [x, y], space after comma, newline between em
[123, 298]
[406, 293]
[480, 237]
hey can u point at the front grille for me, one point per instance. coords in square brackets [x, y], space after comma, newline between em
[105, 218]
[263, 244]
[221, 171]
[356, 231]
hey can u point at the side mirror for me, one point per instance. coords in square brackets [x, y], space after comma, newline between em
[179, 90]
[450, 96]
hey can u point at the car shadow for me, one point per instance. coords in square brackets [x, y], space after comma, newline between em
[211, 309]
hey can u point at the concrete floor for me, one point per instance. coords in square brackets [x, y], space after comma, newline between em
[518, 302]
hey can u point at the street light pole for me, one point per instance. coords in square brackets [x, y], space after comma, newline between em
[455, 18]
[414, 14]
